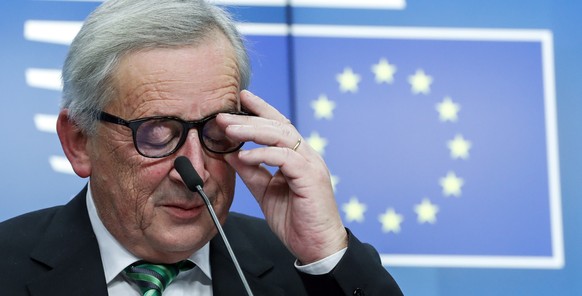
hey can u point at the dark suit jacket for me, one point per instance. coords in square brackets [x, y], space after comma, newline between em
[55, 252]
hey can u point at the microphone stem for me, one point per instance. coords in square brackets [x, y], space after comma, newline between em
[224, 239]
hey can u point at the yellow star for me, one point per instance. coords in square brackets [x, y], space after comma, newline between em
[426, 211]
[317, 142]
[448, 110]
[354, 210]
[348, 80]
[451, 185]
[459, 147]
[323, 107]
[384, 71]
[391, 221]
[420, 82]
[334, 181]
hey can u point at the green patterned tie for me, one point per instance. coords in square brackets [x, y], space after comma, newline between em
[152, 279]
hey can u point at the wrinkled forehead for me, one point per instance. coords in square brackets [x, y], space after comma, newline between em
[206, 75]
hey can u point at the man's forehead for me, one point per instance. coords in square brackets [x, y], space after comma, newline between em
[150, 85]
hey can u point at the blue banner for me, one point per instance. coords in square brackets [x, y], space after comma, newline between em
[442, 145]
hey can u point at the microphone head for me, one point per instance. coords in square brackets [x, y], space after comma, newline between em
[188, 173]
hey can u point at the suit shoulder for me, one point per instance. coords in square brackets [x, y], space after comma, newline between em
[23, 230]
[234, 217]
[248, 224]
[253, 229]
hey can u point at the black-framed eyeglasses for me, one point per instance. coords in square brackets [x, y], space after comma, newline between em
[160, 136]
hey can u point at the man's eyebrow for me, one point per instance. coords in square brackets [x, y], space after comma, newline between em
[229, 107]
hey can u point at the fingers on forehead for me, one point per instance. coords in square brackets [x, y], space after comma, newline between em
[260, 107]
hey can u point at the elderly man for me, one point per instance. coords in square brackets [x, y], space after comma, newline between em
[147, 81]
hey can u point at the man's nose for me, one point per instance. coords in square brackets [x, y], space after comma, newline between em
[194, 151]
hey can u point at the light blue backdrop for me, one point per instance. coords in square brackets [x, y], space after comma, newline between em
[510, 229]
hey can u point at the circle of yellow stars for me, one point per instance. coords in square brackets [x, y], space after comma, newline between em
[448, 111]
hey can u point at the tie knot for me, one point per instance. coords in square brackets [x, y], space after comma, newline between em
[152, 279]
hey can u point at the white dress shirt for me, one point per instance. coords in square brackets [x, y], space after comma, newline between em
[197, 281]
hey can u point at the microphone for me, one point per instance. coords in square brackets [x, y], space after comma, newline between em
[194, 184]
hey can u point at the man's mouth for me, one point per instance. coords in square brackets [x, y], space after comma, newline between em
[185, 211]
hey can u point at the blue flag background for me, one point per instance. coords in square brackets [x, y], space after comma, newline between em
[439, 121]
[388, 143]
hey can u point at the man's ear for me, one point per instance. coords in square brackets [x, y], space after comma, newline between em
[74, 143]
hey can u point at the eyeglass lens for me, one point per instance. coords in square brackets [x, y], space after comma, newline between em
[159, 137]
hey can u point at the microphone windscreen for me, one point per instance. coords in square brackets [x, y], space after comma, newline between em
[188, 173]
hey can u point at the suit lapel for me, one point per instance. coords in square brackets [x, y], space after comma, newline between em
[225, 279]
[70, 251]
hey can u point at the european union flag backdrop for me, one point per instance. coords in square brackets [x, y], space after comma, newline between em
[437, 146]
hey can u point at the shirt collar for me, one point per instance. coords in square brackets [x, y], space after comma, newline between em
[115, 257]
